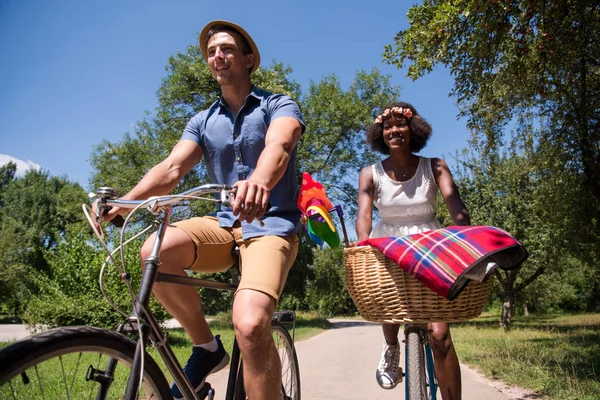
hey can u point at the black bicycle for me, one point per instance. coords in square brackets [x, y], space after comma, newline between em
[89, 362]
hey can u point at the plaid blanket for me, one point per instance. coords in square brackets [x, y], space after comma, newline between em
[446, 260]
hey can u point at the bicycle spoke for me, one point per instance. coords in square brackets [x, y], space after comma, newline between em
[12, 390]
[75, 372]
[62, 367]
[37, 373]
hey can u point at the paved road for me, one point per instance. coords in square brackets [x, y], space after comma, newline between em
[340, 364]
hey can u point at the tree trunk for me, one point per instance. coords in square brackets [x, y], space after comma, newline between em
[594, 301]
[507, 309]
[525, 310]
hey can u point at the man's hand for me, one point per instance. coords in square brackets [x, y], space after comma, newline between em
[251, 200]
[107, 215]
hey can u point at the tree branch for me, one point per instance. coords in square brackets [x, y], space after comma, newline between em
[533, 277]
[499, 276]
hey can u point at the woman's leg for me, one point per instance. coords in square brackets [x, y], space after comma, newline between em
[446, 364]
[389, 373]
[390, 333]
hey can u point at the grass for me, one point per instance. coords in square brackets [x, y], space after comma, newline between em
[57, 377]
[555, 355]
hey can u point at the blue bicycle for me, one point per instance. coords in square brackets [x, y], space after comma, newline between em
[420, 380]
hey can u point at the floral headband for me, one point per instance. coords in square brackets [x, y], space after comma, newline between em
[407, 112]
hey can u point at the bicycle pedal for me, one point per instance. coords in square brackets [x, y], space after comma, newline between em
[211, 394]
[284, 316]
[206, 392]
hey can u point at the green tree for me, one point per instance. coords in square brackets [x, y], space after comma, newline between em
[36, 211]
[327, 292]
[513, 57]
[334, 149]
[14, 290]
[7, 174]
[531, 65]
[42, 206]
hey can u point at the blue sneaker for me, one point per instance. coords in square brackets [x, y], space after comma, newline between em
[201, 364]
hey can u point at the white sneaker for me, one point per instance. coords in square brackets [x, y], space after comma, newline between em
[389, 374]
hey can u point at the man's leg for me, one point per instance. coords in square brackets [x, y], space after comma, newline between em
[265, 263]
[446, 364]
[252, 312]
[183, 302]
[180, 249]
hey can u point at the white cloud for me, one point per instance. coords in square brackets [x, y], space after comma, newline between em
[22, 166]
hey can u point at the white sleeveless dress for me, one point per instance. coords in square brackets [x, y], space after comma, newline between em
[405, 207]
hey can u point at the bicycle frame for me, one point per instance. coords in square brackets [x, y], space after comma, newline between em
[149, 327]
[423, 332]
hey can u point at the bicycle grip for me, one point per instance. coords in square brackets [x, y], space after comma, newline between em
[117, 221]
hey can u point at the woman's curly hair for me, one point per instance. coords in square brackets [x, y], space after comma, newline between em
[420, 131]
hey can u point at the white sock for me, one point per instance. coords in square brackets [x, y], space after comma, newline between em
[211, 346]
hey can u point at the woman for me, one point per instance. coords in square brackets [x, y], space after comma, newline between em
[404, 187]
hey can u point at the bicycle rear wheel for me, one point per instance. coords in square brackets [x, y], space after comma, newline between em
[68, 363]
[290, 370]
[415, 369]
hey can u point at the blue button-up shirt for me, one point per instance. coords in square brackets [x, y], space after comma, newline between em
[231, 147]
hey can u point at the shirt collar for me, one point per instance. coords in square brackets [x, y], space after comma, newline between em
[254, 92]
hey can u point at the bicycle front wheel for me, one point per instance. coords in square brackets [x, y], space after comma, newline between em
[69, 363]
[290, 370]
[417, 383]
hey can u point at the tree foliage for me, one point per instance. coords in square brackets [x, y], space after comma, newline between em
[530, 67]
[334, 145]
[69, 292]
[36, 211]
[327, 292]
[512, 58]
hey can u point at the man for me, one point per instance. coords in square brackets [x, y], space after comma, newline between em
[248, 140]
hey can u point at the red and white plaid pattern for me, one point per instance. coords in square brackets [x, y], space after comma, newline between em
[445, 260]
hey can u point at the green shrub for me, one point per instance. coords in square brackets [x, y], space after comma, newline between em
[327, 293]
[69, 294]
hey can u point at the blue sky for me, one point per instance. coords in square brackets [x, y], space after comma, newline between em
[76, 72]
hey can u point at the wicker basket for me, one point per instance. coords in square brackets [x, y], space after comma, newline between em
[383, 292]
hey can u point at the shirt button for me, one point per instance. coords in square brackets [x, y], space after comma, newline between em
[239, 159]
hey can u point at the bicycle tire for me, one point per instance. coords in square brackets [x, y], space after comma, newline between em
[416, 379]
[290, 369]
[50, 352]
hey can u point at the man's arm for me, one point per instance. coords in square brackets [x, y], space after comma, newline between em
[456, 207]
[164, 176]
[252, 195]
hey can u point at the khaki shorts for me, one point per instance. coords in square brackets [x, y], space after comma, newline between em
[265, 260]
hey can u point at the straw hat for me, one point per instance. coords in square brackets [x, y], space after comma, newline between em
[235, 27]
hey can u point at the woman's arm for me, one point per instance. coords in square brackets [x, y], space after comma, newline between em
[456, 207]
[364, 218]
